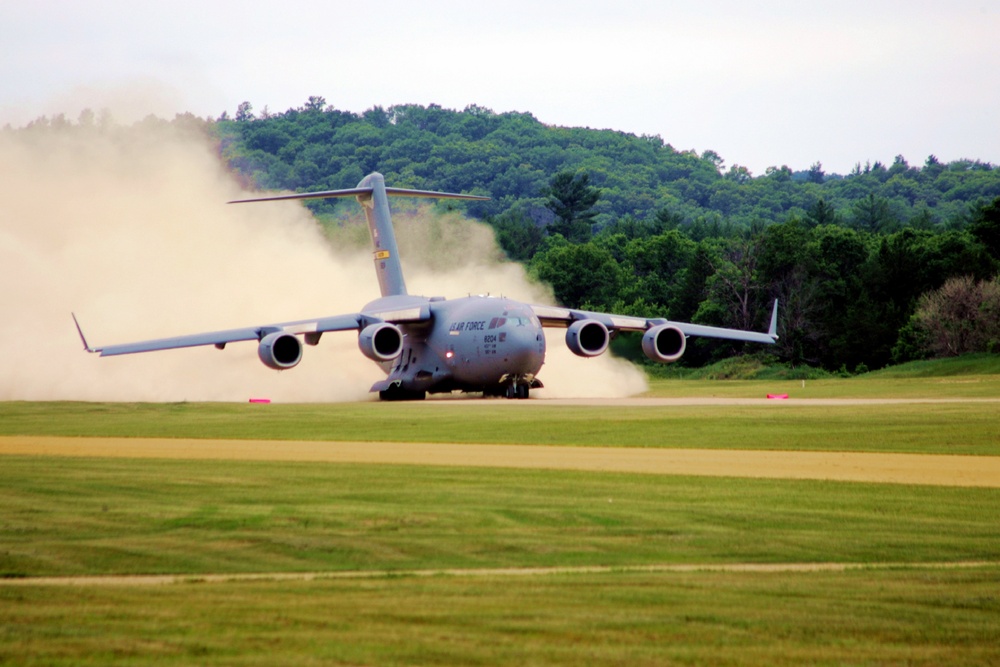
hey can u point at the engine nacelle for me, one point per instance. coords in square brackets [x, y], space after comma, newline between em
[280, 350]
[587, 338]
[381, 342]
[664, 343]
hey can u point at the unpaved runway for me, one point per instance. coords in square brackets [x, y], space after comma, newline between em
[926, 469]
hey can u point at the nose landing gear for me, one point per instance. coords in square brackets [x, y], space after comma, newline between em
[517, 390]
[513, 387]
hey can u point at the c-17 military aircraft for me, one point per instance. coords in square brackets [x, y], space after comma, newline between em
[492, 345]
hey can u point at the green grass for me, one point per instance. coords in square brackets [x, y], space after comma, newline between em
[74, 516]
[962, 427]
[954, 428]
[113, 516]
[970, 376]
[869, 386]
[968, 365]
[914, 618]
[93, 516]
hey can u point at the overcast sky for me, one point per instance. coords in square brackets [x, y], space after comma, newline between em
[761, 83]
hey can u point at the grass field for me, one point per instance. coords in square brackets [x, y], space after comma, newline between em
[66, 516]
[974, 376]
[914, 618]
[952, 428]
[80, 516]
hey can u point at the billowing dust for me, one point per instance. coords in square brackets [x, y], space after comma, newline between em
[128, 227]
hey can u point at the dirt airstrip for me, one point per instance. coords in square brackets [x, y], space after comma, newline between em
[927, 469]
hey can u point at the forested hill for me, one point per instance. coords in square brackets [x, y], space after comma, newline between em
[512, 157]
[615, 220]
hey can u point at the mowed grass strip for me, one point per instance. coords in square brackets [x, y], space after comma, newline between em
[969, 376]
[911, 617]
[940, 428]
[68, 516]
[874, 386]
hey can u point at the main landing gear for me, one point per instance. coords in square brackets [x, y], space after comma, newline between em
[519, 390]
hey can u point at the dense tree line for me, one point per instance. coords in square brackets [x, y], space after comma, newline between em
[620, 222]
[512, 157]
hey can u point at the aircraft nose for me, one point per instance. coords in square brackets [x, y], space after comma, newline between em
[525, 348]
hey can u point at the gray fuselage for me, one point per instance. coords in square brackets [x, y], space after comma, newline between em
[475, 343]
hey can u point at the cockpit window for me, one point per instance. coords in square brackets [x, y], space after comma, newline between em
[500, 322]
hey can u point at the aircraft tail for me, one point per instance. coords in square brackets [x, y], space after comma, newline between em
[386, 255]
[372, 194]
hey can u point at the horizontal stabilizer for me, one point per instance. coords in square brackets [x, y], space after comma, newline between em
[403, 192]
[363, 193]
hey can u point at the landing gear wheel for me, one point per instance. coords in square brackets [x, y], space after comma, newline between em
[517, 391]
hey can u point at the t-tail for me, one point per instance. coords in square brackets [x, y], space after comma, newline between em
[373, 196]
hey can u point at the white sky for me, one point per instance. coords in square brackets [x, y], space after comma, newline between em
[761, 83]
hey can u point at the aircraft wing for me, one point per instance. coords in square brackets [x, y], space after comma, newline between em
[553, 316]
[311, 328]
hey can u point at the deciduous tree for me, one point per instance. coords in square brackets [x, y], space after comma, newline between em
[962, 316]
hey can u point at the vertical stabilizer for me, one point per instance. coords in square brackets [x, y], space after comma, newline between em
[386, 255]
[374, 199]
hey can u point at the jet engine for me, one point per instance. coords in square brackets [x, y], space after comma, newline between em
[664, 343]
[381, 342]
[587, 338]
[280, 350]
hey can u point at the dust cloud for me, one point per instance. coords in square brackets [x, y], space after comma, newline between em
[128, 227]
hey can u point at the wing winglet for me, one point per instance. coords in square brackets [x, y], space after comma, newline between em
[79, 330]
[773, 329]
